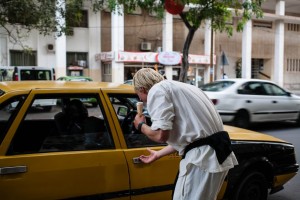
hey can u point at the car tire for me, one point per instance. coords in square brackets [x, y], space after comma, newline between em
[252, 187]
[242, 119]
[298, 120]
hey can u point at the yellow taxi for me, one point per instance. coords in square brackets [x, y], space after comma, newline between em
[75, 151]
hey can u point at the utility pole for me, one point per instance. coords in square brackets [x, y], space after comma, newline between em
[211, 71]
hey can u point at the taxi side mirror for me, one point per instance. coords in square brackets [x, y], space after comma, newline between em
[122, 111]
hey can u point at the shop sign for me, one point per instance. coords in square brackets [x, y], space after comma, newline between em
[169, 58]
[75, 68]
[140, 57]
[104, 56]
[200, 59]
[164, 58]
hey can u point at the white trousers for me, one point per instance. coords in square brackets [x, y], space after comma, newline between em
[198, 184]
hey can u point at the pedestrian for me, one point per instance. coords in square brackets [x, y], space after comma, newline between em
[225, 76]
[184, 118]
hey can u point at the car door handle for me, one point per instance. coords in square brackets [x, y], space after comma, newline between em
[136, 160]
[248, 101]
[13, 170]
[274, 101]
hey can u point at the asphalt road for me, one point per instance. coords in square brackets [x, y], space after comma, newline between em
[291, 133]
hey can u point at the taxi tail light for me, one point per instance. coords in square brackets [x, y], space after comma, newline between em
[215, 101]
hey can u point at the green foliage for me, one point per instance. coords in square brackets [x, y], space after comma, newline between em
[17, 15]
[40, 15]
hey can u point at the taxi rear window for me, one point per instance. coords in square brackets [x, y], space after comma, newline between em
[8, 111]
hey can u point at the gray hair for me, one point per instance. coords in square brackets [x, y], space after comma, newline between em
[146, 78]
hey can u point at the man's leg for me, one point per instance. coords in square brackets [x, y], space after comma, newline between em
[197, 184]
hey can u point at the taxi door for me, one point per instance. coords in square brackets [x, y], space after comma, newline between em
[29, 171]
[147, 181]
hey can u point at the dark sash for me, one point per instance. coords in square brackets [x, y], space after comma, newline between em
[219, 141]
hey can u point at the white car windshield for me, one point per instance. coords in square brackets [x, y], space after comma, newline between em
[216, 86]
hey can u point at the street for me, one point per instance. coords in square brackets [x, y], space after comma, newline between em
[291, 133]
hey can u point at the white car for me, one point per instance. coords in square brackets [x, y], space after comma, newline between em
[243, 101]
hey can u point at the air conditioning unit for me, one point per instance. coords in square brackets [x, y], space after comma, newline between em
[81, 63]
[145, 46]
[50, 48]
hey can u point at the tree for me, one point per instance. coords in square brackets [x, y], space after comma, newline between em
[218, 11]
[40, 15]
[19, 16]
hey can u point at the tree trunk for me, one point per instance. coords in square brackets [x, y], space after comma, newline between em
[186, 47]
[185, 56]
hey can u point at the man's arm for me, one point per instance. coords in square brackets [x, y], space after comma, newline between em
[155, 155]
[160, 136]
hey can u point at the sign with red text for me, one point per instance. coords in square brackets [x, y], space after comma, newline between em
[169, 58]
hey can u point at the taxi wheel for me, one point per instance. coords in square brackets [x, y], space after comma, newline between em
[242, 119]
[252, 187]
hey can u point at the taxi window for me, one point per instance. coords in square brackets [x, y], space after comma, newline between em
[35, 74]
[125, 108]
[8, 111]
[62, 123]
[6, 74]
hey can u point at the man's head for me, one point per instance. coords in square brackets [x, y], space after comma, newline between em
[143, 81]
[146, 78]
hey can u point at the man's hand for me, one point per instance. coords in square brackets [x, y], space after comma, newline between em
[138, 118]
[150, 158]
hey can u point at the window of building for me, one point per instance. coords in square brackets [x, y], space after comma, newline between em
[257, 66]
[22, 58]
[262, 24]
[77, 59]
[293, 65]
[293, 27]
[106, 72]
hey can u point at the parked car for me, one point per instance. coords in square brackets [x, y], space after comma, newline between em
[29, 73]
[74, 78]
[244, 101]
[26, 73]
[87, 101]
[128, 82]
[94, 154]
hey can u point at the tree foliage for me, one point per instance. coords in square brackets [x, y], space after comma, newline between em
[18, 17]
[40, 15]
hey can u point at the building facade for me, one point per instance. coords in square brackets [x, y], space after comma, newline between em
[111, 47]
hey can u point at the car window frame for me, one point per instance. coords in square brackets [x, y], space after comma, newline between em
[14, 113]
[34, 95]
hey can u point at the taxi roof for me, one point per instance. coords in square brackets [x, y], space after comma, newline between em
[9, 86]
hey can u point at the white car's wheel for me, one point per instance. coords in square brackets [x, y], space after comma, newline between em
[298, 120]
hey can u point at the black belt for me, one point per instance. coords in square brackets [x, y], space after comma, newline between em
[219, 141]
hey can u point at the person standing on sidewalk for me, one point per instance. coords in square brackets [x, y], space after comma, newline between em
[184, 118]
